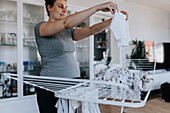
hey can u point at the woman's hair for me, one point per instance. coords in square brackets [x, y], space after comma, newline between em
[51, 3]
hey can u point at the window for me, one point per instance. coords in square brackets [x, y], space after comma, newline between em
[155, 51]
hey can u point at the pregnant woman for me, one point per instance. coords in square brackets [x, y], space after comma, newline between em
[55, 43]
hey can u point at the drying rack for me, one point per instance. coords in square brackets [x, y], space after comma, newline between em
[108, 92]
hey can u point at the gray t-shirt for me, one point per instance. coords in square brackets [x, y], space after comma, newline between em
[57, 54]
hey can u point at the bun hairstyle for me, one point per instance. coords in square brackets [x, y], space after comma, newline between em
[51, 3]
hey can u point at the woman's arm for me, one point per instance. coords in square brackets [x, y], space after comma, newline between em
[51, 28]
[80, 34]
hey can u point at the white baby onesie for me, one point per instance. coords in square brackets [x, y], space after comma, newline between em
[120, 29]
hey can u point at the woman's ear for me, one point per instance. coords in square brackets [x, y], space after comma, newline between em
[49, 7]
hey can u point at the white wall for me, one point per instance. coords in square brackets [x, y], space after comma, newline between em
[145, 23]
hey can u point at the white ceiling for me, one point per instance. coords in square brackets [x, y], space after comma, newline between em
[158, 4]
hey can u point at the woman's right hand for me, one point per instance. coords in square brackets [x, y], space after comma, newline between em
[108, 6]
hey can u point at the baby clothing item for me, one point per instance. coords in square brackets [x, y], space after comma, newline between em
[67, 106]
[73, 105]
[89, 107]
[70, 106]
[62, 106]
[120, 28]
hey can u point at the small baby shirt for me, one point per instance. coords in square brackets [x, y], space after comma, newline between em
[120, 29]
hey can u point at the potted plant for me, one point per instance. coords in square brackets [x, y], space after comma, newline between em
[137, 53]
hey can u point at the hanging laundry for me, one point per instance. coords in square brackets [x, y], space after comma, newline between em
[73, 105]
[120, 28]
[70, 106]
[67, 106]
[62, 106]
[89, 107]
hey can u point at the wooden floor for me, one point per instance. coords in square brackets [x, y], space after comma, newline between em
[154, 105]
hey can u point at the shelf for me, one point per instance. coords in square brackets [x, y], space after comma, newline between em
[83, 47]
[30, 46]
[84, 66]
[32, 71]
[8, 45]
[15, 22]
[16, 71]
[13, 45]
[8, 72]
[101, 48]
[100, 41]
[8, 21]
[29, 23]
[11, 21]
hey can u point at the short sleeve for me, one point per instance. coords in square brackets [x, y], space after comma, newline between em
[71, 32]
[36, 29]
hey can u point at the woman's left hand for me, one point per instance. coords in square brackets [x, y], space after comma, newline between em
[125, 13]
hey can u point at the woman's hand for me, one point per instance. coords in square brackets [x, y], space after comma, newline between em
[125, 13]
[108, 6]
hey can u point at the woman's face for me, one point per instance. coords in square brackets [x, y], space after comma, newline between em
[59, 10]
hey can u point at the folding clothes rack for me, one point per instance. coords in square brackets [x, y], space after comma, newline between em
[108, 92]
